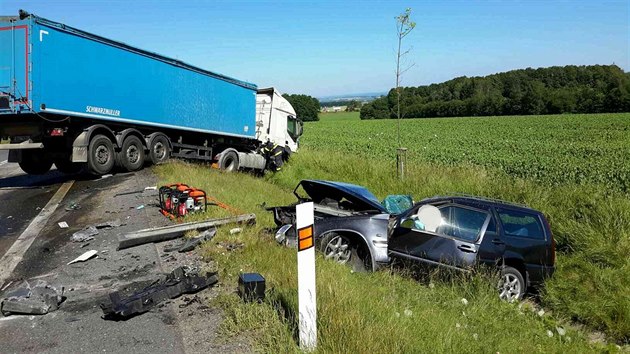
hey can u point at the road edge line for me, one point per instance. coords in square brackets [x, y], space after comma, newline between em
[14, 255]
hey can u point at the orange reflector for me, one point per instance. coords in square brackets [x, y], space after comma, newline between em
[305, 232]
[305, 244]
[305, 237]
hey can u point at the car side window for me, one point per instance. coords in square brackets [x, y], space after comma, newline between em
[462, 223]
[521, 224]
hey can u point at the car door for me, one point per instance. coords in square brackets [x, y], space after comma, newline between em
[453, 244]
[491, 245]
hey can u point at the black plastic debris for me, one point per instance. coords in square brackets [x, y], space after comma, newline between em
[182, 280]
[191, 243]
[251, 287]
[32, 300]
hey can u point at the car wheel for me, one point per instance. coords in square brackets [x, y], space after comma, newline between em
[511, 285]
[343, 250]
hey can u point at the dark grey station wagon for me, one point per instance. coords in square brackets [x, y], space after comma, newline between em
[462, 232]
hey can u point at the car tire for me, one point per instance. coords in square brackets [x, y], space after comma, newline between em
[228, 161]
[159, 151]
[35, 162]
[101, 155]
[131, 154]
[343, 250]
[511, 285]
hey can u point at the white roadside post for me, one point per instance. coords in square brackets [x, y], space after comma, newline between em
[306, 276]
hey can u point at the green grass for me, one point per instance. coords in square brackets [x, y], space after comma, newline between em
[357, 312]
[553, 150]
[339, 116]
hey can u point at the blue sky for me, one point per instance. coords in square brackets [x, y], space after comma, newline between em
[340, 47]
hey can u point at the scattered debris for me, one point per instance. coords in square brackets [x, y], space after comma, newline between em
[10, 217]
[37, 300]
[175, 231]
[72, 206]
[84, 257]
[141, 206]
[191, 243]
[231, 246]
[84, 235]
[235, 230]
[561, 331]
[63, 224]
[251, 287]
[105, 176]
[151, 188]
[464, 301]
[182, 280]
[110, 224]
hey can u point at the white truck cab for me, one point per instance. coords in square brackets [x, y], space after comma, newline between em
[276, 120]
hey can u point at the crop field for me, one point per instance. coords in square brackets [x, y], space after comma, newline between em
[538, 161]
[581, 149]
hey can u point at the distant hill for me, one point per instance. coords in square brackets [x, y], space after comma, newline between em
[553, 90]
[342, 100]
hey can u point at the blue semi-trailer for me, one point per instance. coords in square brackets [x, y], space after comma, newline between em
[78, 100]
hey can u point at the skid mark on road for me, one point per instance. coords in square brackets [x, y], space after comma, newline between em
[15, 254]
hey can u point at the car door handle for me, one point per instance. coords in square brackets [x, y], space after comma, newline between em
[496, 241]
[467, 248]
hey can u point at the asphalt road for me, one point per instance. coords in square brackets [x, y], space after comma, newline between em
[78, 326]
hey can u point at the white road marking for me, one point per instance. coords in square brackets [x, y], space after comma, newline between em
[15, 254]
[3, 162]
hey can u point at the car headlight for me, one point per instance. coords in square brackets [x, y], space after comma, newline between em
[281, 234]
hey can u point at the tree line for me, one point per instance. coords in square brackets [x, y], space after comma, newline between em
[553, 90]
[306, 107]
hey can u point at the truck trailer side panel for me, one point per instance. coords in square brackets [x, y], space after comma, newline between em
[74, 73]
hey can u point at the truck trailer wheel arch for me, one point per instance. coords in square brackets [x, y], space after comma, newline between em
[121, 136]
[82, 141]
[228, 160]
[156, 143]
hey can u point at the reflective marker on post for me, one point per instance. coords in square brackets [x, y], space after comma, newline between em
[306, 276]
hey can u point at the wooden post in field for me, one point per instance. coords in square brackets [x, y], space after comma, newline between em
[306, 276]
[401, 161]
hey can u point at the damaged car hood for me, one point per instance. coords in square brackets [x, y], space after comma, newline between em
[359, 197]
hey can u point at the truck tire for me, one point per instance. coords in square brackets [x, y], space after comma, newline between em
[159, 151]
[228, 161]
[101, 155]
[66, 166]
[35, 162]
[132, 154]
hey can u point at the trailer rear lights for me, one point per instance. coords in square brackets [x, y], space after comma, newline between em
[56, 132]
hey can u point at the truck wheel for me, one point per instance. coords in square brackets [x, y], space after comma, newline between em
[159, 150]
[132, 154]
[101, 155]
[68, 167]
[35, 162]
[228, 161]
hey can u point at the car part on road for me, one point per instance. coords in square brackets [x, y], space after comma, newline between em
[84, 235]
[84, 257]
[36, 300]
[182, 280]
[251, 287]
[191, 243]
[174, 231]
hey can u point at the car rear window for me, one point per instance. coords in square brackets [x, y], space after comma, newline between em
[521, 224]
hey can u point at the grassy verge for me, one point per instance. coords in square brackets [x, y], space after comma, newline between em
[387, 312]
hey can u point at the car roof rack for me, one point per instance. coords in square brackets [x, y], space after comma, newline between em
[494, 200]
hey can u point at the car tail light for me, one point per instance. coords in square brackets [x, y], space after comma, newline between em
[553, 242]
[56, 132]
